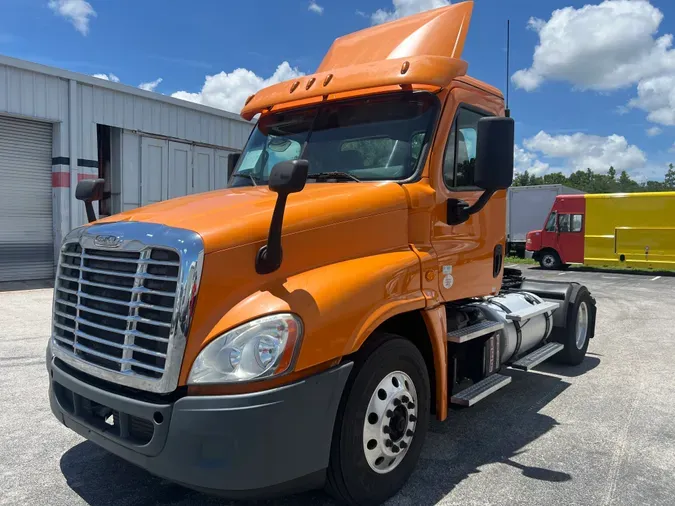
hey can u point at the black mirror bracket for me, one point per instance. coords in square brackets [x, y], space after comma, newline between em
[270, 255]
[459, 211]
[88, 191]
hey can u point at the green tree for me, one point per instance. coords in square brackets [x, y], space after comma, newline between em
[669, 180]
[611, 172]
[522, 179]
[555, 178]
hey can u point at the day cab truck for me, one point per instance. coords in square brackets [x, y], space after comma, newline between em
[299, 328]
[608, 230]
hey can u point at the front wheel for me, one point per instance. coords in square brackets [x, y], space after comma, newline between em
[550, 260]
[381, 424]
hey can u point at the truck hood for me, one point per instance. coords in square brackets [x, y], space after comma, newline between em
[233, 217]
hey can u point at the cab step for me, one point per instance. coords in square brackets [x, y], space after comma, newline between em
[477, 391]
[532, 311]
[473, 331]
[537, 356]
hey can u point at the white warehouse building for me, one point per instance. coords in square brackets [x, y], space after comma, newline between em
[59, 127]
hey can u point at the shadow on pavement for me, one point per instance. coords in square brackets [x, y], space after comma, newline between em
[588, 364]
[495, 431]
[18, 286]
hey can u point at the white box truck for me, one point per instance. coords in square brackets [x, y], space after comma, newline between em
[526, 210]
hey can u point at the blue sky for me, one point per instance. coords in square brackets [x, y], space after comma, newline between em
[573, 107]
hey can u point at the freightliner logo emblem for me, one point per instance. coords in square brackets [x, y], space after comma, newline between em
[107, 241]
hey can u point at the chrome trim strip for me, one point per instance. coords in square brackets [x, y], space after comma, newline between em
[140, 237]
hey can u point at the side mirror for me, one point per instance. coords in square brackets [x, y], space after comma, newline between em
[494, 153]
[89, 190]
[286, 178]
[232, 160]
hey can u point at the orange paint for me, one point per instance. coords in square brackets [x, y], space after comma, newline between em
[354, 254]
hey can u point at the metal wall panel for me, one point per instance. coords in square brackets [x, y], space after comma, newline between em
[26, 227]
[34, 95]
[180, 169]
[131, 170]
[154, 168]
[220, 175]
[202, 169]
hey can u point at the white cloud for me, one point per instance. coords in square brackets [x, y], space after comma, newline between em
[230, 91]
[581, 151]
[315, 7]
[404, 8]
[656, 96]
[654, 131]
[600, 47]
[78, 12]
[108, 77]
[527, 161]
[151, 86]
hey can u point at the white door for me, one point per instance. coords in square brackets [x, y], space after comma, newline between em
[180, 169]
[26, 228]
[202, 169]
[220, 175]
[154, 168]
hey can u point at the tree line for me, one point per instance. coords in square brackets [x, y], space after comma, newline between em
[590, 182]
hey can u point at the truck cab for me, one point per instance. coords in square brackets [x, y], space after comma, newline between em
[298, 329]
[561, 240]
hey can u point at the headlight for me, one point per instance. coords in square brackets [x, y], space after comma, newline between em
[528, 241]
[258, 349]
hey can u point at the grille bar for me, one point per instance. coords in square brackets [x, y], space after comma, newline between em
[132, 347]
[128, 274]
[121, 361]
[148, 261]
[122, 303]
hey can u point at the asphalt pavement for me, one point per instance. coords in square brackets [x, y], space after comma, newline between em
[602, 433]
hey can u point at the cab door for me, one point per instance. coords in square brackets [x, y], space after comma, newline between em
[470, 255]
[570, 237]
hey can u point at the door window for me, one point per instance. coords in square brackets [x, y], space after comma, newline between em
[550, 224]
[563, 222]
[459, 160]
[577, 222]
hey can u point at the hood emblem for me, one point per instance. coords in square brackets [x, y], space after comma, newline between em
[107, 241]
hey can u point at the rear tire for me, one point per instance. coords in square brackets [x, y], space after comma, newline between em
[550, 260]
[576, 335]
[379, 405]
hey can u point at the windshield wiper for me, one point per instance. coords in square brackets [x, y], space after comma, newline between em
[247, 175]
[333, 175]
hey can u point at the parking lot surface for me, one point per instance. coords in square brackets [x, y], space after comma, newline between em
[597, 434]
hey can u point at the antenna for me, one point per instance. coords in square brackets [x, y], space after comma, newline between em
[507, 112]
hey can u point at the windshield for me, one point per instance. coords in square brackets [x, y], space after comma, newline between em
[379, 138]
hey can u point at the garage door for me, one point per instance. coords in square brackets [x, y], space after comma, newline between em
[26, 240]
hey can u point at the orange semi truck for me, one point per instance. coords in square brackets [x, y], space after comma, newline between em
[298, 329]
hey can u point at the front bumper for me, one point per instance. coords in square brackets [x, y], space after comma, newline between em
[241, 446]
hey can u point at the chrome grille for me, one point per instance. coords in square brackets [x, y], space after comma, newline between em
[123, 312]
[114, 308]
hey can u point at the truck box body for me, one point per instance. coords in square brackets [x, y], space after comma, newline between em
[609, 230]
[526, 208]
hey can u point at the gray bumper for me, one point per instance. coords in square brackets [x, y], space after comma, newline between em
[241, 446]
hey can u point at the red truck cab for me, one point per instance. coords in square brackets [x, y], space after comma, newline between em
[561, 240]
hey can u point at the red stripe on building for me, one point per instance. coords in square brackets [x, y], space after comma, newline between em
[60, 179]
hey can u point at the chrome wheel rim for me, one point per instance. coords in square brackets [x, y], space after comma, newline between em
[391, 419]
[582, 325]
[548, 260]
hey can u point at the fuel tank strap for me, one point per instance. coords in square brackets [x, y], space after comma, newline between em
[516, 325]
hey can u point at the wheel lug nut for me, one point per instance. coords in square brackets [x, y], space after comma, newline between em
[405, 398]
[409, 433]
[403, 444]
[389, 413]
[388, 443]
[386, 429]
[397, 402]
[413, 418]
[411, 405]
[395, 449]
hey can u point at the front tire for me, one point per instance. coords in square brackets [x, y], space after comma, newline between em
[381, 424]
[550, 260]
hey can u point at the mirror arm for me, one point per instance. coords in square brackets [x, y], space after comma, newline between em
[270, 255]
[89, 207]
[459, 211]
